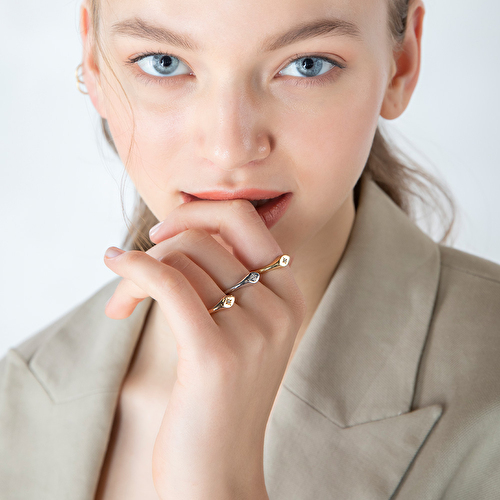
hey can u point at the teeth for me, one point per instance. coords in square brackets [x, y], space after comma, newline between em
[259, 203]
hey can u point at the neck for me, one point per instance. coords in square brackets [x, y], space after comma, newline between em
[316, 262]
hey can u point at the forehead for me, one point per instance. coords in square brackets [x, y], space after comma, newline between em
[240, 24]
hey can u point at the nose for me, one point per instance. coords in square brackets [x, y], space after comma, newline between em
[232, 128]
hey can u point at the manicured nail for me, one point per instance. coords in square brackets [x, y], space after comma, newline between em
[112, 252]
[154, 229]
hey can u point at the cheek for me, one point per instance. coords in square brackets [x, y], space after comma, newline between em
[149, 143]
[331, 142]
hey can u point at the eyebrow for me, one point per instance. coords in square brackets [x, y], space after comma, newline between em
[138, 28]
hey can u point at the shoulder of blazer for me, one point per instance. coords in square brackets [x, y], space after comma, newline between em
[469, 264]
[463, 343]
[467, 307]
[459, 369]
[26, 349]
[30, 345]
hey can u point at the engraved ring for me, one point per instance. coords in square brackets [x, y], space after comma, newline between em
[225, 303]
[254, 276]
[251, 277]
[281, 261]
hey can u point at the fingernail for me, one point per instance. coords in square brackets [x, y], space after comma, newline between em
[112, 252]
[154, 229]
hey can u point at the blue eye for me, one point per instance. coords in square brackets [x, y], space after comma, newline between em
[309, 66]
[160, 64]
[163, 65]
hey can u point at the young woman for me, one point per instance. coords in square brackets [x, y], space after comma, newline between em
[285, 330]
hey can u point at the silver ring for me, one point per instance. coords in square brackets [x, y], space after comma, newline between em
[250, 278]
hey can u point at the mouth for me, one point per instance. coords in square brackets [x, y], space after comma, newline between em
[271, 206]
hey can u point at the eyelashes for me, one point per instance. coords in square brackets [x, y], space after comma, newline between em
[312, 80]
[149, 62]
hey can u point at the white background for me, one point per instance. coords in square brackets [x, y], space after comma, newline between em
[60, 184]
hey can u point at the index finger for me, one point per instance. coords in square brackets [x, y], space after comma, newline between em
[239, 225]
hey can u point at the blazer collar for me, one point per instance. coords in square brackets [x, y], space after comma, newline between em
[89, 353]
[347, 394]
[359, 356]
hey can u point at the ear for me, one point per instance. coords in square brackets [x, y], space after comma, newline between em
[405, 65]
[90, 69]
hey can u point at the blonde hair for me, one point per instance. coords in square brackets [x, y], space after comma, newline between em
[395, 172]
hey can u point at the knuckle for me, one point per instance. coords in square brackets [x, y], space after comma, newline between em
[169, 281]
[176, 259]
[134, 256]
[193, 236]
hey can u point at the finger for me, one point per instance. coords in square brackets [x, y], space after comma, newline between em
[241, 227]
[220, 264]
[128, 294]
[202, 249]
[183, 308]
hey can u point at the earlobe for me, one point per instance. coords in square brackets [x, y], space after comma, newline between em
[405, 67]
[391, 105]
[90, 70]
[90, 77]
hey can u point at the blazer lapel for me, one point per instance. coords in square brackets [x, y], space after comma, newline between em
[56, 413]
[343, 425]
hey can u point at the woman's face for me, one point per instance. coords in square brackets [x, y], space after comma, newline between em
[221, 112]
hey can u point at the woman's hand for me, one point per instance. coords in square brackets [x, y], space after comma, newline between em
[231, 363]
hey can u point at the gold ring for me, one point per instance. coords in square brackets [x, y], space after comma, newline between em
[281, 261]
[225, 303]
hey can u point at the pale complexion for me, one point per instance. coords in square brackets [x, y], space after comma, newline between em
[227, 120]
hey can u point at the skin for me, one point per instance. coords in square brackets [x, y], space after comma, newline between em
[235, 123]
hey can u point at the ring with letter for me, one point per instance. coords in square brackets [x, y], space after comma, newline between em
[281, 261]
[225, 303]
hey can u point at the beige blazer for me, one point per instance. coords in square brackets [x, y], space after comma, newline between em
[393, 393]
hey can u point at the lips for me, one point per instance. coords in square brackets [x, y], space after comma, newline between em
[246, 194]
[272, 210]
[270, 205]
